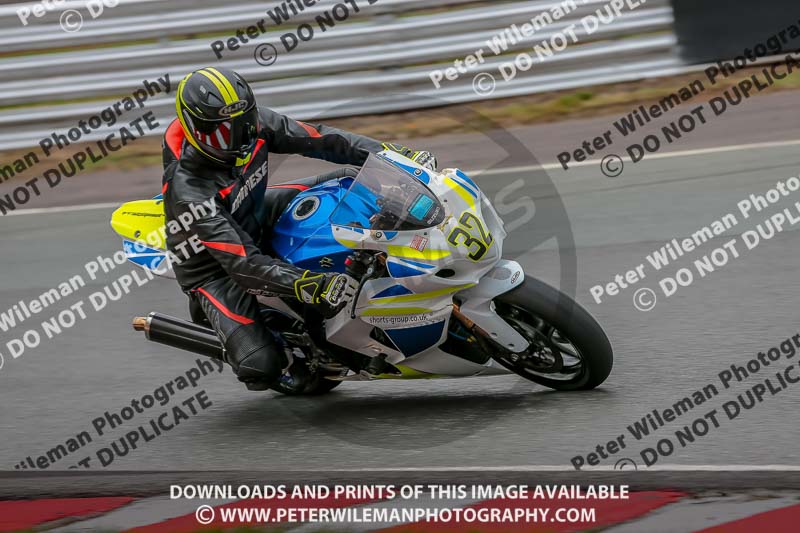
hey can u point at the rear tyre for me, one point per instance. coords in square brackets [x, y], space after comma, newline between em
[568, 349]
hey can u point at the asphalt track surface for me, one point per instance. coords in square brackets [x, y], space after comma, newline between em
[53, 392]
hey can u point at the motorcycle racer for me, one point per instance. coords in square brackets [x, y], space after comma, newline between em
[216, 153]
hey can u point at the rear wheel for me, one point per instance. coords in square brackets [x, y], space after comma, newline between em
[568, 348]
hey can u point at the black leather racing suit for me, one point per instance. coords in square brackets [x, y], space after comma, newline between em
[223, 207]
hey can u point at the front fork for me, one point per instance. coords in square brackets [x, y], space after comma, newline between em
[477, 306]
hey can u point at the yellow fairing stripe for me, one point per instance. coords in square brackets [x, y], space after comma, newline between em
[345, 242]
[408, 373]
[422, 296]
[455, 186]
[412, 253]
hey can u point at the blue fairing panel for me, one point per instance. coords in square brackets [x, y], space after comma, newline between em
[406, 269]
[307, 240]
[399, 270]
[471, 184]
[396, 290]
[412, 341]
[139, 254]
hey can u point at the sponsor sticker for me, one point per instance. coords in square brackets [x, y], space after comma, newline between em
[400, 320]
[419, 243]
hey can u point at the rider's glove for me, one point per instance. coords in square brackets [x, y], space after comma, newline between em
[328, 293]
[420, 157]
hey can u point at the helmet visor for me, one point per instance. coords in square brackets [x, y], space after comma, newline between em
[228, 138]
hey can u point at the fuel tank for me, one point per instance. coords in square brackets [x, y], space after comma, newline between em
[303, 235]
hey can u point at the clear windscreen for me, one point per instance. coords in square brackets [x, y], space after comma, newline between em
[383, 197]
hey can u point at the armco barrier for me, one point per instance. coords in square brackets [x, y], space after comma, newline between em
[378, 59]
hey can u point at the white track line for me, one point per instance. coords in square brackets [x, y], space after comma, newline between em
[665, 155]
[477, 173]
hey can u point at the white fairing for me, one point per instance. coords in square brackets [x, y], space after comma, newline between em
[478, 306]
[459, 258]
[454, 254]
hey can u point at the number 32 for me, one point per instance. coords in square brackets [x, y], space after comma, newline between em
[475, 237]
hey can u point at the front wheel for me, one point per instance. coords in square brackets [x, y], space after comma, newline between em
[568, 349]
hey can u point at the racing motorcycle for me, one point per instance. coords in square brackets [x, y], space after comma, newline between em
[434, 297]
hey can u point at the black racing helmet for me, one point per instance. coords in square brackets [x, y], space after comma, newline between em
[219, 115]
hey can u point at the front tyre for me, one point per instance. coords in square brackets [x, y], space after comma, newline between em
[568, 349]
